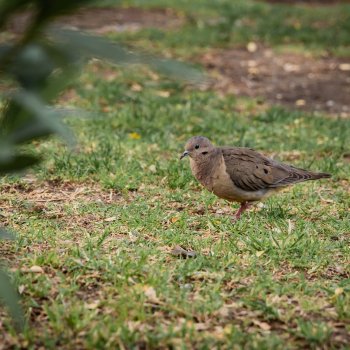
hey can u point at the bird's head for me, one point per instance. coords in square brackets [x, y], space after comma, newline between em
[197, 147]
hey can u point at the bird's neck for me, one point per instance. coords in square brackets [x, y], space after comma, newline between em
[203, 168]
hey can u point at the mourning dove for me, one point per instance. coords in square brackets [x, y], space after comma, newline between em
[240, 174]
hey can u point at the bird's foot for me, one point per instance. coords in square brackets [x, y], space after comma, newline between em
[244, 206]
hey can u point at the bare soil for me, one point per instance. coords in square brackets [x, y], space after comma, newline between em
[308, 2]
[108, 19]
[289, 79]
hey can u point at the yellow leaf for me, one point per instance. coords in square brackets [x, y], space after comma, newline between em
[263, 325]
[259, 253]
[300, 102]
[93, 305]
[136, 87]
[344, 67]
[174, 219]
[150, 293]
[152, 168]
[36, 269]
[252, 47]
[338, 291]
[134, 136]
[163, 93]
[112, 218]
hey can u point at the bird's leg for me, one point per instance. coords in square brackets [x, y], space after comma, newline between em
[244, 206]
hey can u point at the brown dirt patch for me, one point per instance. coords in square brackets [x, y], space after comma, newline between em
[288, 79]
[110, 19]
[48, 200]
[308, 2]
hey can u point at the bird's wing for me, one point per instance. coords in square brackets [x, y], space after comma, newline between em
[251, 171]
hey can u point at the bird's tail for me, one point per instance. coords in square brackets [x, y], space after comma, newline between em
[316, 176]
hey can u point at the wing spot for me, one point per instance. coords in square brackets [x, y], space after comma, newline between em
[266, 171]
[257, 167]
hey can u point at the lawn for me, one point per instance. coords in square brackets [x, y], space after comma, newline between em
[97, 224]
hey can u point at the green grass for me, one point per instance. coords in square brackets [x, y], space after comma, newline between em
[317, 29]
[101, 220]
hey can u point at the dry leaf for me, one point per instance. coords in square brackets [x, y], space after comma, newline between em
[263, 325]
[112, 218]
[344, 67]
[300, 102]
[174, 219]
[201, 326]
[36, 269]
[152, 168]
[136, 87]
[179, 251]
[163, 93]
[106, 109]
[252, 63]
[338, 291]
[253, 70]
[259, 253]
[134, 236]
[252, 46]
[150, 293]
[21, 289]
[92, 306]
[290, 67]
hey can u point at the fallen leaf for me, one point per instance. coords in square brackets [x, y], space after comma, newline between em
[36, 269]
[174, 219]
[259, 253]
[93, 305]
[152, 168]
[300, 102]
[179, 251]
[163, 93]
[253, 70]
[21, 289]
[338, 291]
[201, 326]
[290, 67]
[136, 87]
[133, 236]
[106, 109]
[263, 325]
[134, 136]
[112, 218]
[344, 67]
[150, 293]
[252, 46]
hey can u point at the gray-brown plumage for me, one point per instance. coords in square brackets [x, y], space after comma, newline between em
[240, 174]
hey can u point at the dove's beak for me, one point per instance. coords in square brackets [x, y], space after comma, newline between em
[184, 154]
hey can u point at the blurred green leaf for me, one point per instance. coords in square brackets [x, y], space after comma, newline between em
[45, 115]
[32, 66]
[54, 8]
[9, 296]
[6, 235]
[17, 162]
[99, 47]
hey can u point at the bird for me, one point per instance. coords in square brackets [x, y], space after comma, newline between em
[240, 174]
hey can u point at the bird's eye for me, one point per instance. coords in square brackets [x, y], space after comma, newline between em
[196, 146]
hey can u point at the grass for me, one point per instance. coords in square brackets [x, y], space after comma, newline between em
[101, 221]
[316, 29]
